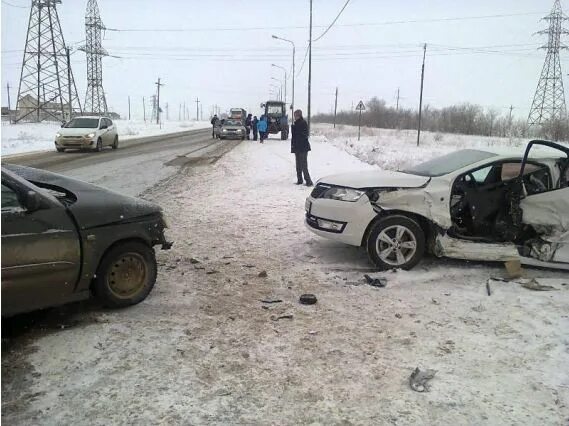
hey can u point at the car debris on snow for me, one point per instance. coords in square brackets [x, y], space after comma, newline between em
[280, 317]
[271, 300]
[419, 379]
[534, 284]
[375, 282]
[308, 299]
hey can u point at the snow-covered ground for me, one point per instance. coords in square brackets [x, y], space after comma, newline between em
[28, 137]
[205, 349]
[397, 149]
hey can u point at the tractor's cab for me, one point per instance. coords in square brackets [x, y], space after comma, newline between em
[277, 118]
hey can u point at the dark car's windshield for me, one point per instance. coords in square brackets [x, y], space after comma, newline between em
[449, 163]
[83, 123]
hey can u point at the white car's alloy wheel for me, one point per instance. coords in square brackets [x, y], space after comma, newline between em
[396, 245]
[396, 241]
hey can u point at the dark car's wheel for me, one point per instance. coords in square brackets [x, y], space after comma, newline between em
[116, 142]
[284, 135]
[396, 242]
[126, 275]
[58, 149]
[99, 146]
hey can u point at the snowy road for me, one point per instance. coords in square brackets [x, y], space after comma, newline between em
[135, 167]
[205, 349]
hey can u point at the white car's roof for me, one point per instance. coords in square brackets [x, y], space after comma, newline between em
[91, 116]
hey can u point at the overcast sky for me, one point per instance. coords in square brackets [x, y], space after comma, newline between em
[223, 51]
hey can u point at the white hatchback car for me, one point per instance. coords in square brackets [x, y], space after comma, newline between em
[470, 204]
[87, 133]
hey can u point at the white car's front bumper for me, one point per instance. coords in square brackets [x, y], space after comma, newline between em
[349, 221]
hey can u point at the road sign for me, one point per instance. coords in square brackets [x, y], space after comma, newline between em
[361, 106]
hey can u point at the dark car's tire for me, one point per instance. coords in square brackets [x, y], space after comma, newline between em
[284, 135]
[99, 146]
[126, 275]
[58, 149]
[396, 242]
[116, 143]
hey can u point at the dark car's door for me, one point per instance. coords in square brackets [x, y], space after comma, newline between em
[41, 254]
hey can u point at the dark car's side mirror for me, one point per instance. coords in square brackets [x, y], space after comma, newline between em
[32, 201]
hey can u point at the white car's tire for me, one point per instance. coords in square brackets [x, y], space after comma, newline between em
[396, 242]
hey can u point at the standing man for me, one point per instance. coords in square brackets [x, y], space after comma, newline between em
[262, 126]
[248, 126]
[300, 146]
[214, 122]
[254, 126]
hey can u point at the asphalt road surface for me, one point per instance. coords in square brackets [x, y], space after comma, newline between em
[137, 165]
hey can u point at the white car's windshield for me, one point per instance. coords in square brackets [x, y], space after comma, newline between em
[83, 123]
[233, 123]
[449, 163]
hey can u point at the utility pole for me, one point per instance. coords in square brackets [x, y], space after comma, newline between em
[185, 118]
[167, 113]
[180, 113]
[309, 68]
[197, 109]
[69, 79]
[9, 107]
[510, 121]
[201, 112]
[421, 96]
[129, 108]
[144, 109]
[158, 84]
[397, 105]
[335, 107]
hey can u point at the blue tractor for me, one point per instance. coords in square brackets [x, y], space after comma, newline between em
[277, 119]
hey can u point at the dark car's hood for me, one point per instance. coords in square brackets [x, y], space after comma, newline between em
[94, 206]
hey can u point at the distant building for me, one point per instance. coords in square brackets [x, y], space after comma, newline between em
[51, 111]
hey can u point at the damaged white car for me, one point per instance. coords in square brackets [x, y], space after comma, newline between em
[470, 204]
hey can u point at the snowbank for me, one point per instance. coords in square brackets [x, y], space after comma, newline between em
[27, 137]
[397, 149]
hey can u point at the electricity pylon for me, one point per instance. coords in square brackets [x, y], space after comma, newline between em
[95, 101]
[549, 99]
[47, 88]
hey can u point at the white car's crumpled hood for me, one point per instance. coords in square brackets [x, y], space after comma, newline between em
[68, 131]
[375, 179]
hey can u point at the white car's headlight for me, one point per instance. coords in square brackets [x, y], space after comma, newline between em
[58, 135]
[90, 135]
[343, 194]
[239, 130]
[224, 130]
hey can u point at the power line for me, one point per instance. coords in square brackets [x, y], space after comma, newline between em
[333, 22]
[14, 5]
[369, 24]
[303, 61]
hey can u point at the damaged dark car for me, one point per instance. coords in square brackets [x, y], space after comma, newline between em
[64, 240]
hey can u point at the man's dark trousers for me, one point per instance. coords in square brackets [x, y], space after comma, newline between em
[302, 167]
